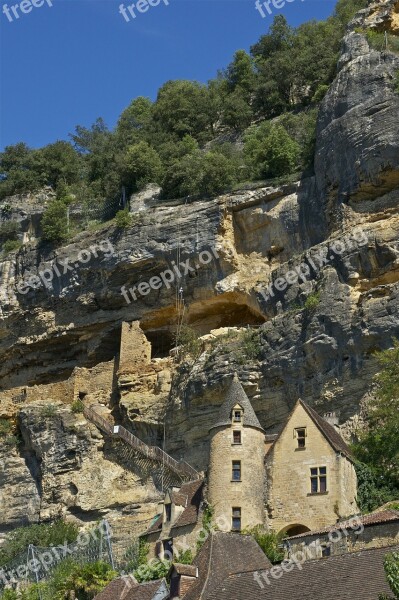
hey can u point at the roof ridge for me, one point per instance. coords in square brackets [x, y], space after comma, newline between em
[328, 430]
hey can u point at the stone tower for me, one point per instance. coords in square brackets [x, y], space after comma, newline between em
[236, 466]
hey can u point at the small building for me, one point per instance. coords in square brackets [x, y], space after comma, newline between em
[376, 530]
[311, 479]
[236, 485]
[178, 523]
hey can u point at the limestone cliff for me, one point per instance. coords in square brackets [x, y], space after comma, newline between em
[60, 340]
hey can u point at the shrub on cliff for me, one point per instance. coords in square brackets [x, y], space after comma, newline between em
[269, 151]
[55, 222]
[199, 174]
[53, 534]
[378, 445]
[139, 165]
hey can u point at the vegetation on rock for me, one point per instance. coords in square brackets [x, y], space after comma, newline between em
[176, 141]
[378, 444]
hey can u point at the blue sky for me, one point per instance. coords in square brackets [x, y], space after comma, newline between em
[79, 59]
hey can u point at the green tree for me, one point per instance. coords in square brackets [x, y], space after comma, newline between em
[217, 174]
[53, 534]
[134, 121]
[391, 566]
[83, 582]
[199, 174]
[378, 445]
[139, 165]
[54, 222]
[183, 177]
[16, 174]
[56, 163]
[184, 108]
[270, 543]
[373, 489]
[237, 113]
[99, 149]
[241, 74]
[270, 151]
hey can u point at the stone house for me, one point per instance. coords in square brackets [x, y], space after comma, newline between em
[177, 526]
[301, 480]
[311, 479]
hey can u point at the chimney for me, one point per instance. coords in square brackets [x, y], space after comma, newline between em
[181, 580]
[331, 418]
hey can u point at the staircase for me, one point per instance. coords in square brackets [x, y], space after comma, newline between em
[152, 453]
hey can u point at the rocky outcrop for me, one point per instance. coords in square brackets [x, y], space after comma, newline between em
[313, 268]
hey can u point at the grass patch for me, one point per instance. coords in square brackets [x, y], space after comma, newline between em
[5, 427]
[378, 42]
[49, 411]
[11, 246]
[77, 407]
[312, 302]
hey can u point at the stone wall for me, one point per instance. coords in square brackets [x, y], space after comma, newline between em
[289, 498]
[247, 494]
[350, 540]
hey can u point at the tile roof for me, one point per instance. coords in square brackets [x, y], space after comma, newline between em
[236, 395]
[358, 575]
[222, 555]
[332, 435]
[190, 497]
[155, 526]
[117, 589]
[126, 588]
[193, 493]
[376, 518]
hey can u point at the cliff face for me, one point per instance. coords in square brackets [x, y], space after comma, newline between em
[338, 231]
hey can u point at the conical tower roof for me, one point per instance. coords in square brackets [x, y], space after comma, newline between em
[236, 395]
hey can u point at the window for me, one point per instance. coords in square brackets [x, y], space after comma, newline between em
[236, 476]
[300, 434]
[318, 479]
[168, 512]
[168, 549]
[325, 550]
[236, 519]
[237, 416]
[236, 437]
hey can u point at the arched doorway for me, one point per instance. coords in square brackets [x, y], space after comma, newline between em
[294, 529]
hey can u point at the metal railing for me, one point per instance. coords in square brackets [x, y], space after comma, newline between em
[155, 453]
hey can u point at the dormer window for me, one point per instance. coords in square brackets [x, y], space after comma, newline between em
[168, 512]
[237, 415]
